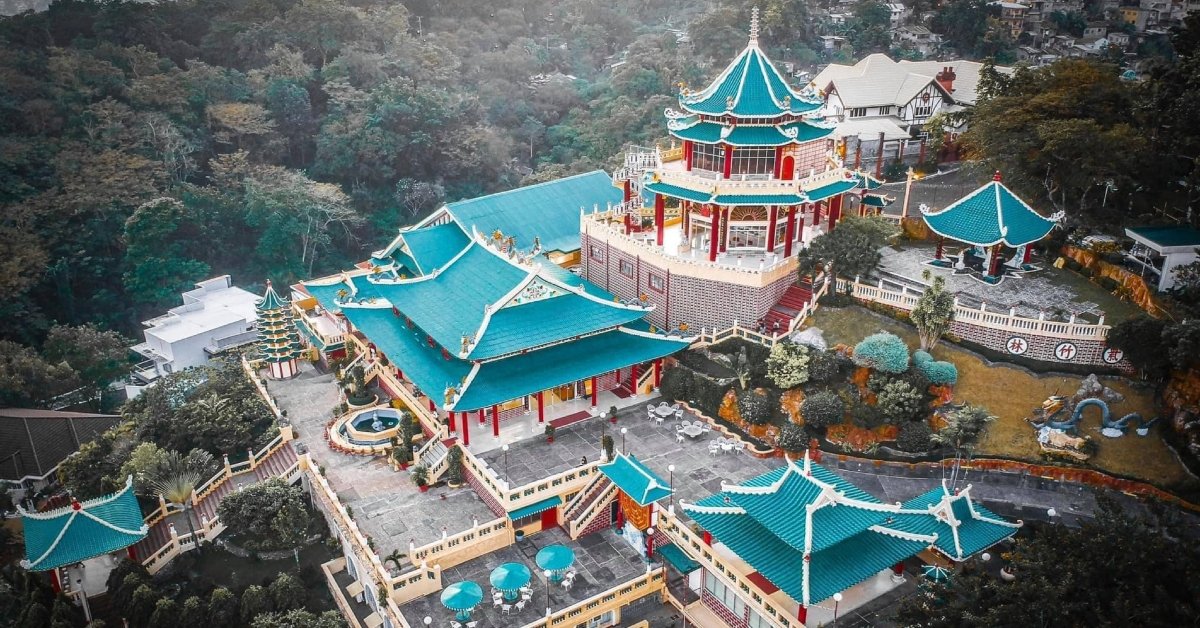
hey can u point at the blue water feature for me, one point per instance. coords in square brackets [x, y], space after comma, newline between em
[376, 420]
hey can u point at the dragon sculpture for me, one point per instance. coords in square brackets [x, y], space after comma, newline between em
[1053, 409]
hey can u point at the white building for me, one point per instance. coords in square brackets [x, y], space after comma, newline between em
[215, 316]
[898, 13]
[1158, 251]
[917, 38]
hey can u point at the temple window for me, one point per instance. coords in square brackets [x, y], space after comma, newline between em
[743, 236]
[625, 267]
[709, 157]
[754, 161]
[656, 283]
[596, 253]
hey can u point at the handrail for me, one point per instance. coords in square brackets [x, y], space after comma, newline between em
[591, 511]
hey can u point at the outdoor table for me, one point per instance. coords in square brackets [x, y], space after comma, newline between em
[728, 445]
[462, 598]
[664, 411]
[509, 578]
[691, 430]
[556, 559]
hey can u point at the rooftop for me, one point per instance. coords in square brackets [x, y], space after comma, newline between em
[213, 304]
[82, 530]
[1166, 236]
[879, 80]
[34, 442]
[992, 214]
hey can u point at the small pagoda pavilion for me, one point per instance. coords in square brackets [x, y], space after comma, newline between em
[638, 490]
[81, 531]
[989, 219]
[811, 534]
[279, 339]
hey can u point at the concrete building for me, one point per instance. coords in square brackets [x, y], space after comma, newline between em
[1158, 251]
[214, 317]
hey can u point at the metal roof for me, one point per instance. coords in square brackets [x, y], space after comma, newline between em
[750, 86]
[635, 479]
[82, 530]
[990, 215]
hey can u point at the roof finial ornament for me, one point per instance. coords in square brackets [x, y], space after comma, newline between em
[997, 176]
[754, 26]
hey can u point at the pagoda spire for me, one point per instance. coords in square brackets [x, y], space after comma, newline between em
[279, 340]
[753, 27]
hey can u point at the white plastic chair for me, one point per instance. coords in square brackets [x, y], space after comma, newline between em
[713, 448]
[679, 437]
[520, 605]
[472, 624]
[455, 624]
[506, 609]
[497, 601]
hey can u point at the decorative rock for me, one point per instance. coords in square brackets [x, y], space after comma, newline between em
[812, 337]
[1111, 395]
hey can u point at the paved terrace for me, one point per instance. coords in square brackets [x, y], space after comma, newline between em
[386, 504]
[602, 561]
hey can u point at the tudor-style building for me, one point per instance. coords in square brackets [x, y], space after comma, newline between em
[709, 231]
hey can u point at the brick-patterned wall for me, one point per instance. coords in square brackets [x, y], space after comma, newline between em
[696, 301]
[483, 493]
[719, 610]
[1041, 348]
[602, 520]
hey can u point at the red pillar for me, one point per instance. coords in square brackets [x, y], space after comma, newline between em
[802, 614]
[1028, 254]
[941, 245]
[687, 154]
[482, 420]
[724, 228]
[817, 214]
[450, 420]
[835, 211]
[466, 432]
[649, 546]
[54, 583]
[131, 552]
[994, 266]
[778, 160]
[898, 568]
[789, 231]
[921, 158]
[628, 224]
[708, 538]
[633, 372]
[432, 408]
[541, 396]
[772, 218]
[659, 215]
[495, 420]
[714, 234]
[628, 188]
[595, 391]
[728, 171]
[657, 372]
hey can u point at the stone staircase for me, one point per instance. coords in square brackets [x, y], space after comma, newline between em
[789, 306]
[435, 457]
[588, 505]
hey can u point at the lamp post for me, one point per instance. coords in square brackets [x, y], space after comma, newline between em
[623, 431]
[548, 573]
[837, 599]
[649, 545]
[671, 485]
[504, 448]
[428, 620]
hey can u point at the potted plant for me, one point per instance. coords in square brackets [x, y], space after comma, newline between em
[420, 476]
[549, 433]
[454, 472]
[612, 414]
[606, 442]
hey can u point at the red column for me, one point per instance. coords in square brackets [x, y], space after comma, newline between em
[659, 215]
[649, 546]
[482, 420]
[816, 214]
[994, 266]
[724, 228]
[921, 158]
[789, 231]
[941, 245]
[628, 225]
[714, 234]
[835, 210]
[54, 583]
[802, 614]
[772, 217]
[495, 420]
[450, 419]
[541, 396]
[628, 188]
[432, 408]
[687, 155]
[633, 378]
[898, 568]
[595, 391]
[778, 160]
[728, 161]
[708, 538]
[131, 552]
[1028, 254]
[657, 372]
[466, 432]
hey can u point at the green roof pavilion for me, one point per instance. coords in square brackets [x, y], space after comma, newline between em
[82, 530]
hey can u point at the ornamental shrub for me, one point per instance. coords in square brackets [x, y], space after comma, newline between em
[273, 511]
[677, 384]
[708, 395]
[936, 371]
[900, 402]
[822, 409]
[883, 352]
[825, 366]
[792, 437]
[914, 437]
[788, 364]
[755, 406]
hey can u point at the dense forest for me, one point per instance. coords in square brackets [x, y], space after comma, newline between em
[146, 146]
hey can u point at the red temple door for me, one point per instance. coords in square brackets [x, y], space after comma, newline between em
[788, 170]
[549, 518]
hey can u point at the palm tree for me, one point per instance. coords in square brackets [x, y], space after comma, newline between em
[178, 476]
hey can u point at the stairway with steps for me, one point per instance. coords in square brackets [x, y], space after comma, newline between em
[434, 458]
[789, 306]
[589, 507]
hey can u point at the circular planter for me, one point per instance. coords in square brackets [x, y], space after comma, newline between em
[1007, 575]
[355, 406]
[454, 484]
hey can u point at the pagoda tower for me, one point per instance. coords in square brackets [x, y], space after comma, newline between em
[278, 336]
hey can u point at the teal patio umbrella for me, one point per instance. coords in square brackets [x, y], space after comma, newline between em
[509, 578]
[462, 598]
[936, 573]
[557, 559]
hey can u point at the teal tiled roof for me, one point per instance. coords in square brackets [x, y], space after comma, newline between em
[876, 200]
[81, 531]
[407, 348]
[270, 300]
[679, 560]
[518, 327]
[675, 191]
[750, 86]
[635, 479]
[433, 247]
[741, 135]
[549, 211]
[524, 374]
[868, 182]
[1168, 236]
[758, 199]
[535, 508]
[852, 535]
[990, 215]
[831, 190]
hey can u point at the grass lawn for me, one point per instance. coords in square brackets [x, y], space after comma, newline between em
[1012, 393]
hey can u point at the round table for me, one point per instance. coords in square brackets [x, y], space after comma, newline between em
[462, 598]
[509, 578]
[557, 559]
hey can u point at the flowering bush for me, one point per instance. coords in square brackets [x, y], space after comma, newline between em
[787, 365]
[882, 352]
[754, 406]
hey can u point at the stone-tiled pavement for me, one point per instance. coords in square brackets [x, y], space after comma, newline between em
[602, 560]
[386, 504]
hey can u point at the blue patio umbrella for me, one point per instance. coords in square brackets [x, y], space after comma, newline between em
[462, 598]
[509, 578]
[936, 573]
[557, 559]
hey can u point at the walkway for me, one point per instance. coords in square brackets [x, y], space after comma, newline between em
[159, 534]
